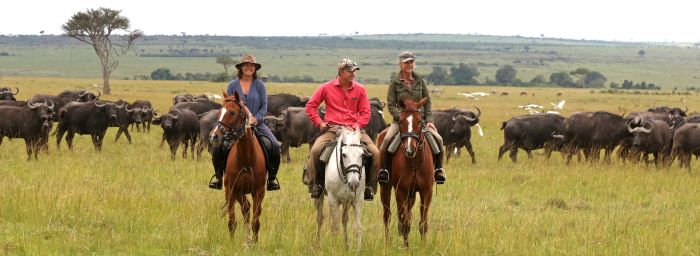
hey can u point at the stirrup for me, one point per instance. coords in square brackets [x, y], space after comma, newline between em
[440, 176]
[273, 184]
[383, 176]
[215, 184]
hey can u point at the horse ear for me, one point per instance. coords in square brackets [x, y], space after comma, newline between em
[225, 95]
[236, 96]
[422, 102]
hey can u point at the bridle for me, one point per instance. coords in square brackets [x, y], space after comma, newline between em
[343, 169]
[230, 133]
[414, 135]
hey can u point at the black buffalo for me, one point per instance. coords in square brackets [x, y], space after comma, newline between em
[7, 94]
[91, 118]
[291, 127]
[148, 114]
[278, 102]
[186, 97]
[206, 125]
[126, 116]
[454, 126]
[31, 122]
[652, 137]
[593, 131]
[180, 126]
[531, 132]
[686, 143]
[198, 107]
[68, 96]
[376, 121]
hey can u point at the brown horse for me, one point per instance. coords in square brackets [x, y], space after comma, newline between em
[411, 171]
[245, 166]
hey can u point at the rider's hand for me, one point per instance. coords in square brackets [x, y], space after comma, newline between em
[431, 125]
[322, 125]
[254, 121]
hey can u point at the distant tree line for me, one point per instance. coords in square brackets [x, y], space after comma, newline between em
[631, 85]
[466, 74]
[462, 74]
[166, 74]
[189, 52]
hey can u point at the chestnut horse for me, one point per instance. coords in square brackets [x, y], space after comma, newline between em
[245, 166]
[411, 171]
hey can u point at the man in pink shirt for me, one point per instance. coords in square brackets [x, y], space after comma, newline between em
[347, 105]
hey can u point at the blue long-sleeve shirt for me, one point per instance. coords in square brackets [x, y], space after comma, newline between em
[255, 100]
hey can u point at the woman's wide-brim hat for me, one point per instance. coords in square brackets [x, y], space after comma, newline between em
[248, 59]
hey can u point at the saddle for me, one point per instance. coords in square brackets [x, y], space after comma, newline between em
[395, 141]
[266, 145]
[325, 156]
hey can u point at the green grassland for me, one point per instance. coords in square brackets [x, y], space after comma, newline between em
[133, 200]
[665, 64]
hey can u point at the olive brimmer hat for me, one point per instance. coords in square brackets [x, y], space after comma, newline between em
[248, 59]
[407, 56]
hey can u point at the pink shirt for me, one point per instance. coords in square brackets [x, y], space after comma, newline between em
[347, 109]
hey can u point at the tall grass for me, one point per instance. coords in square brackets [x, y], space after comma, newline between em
[132, 199]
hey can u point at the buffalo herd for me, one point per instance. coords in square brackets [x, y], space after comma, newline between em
[665, 133]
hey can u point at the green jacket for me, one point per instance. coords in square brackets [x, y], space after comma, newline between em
[398, 91]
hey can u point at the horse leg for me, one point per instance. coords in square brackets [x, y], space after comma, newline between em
[245, 210]
[231, 210]
[357, 210]
[426, 198]
[403, 211]
[319, 219]
[257, 210]
[333, 204]
[346, 208]
[386, 203]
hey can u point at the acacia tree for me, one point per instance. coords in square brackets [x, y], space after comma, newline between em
[226, 61]
[96, 27]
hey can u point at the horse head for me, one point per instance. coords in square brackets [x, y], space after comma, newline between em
[351, 153]
[232, 122]
[410, 124]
